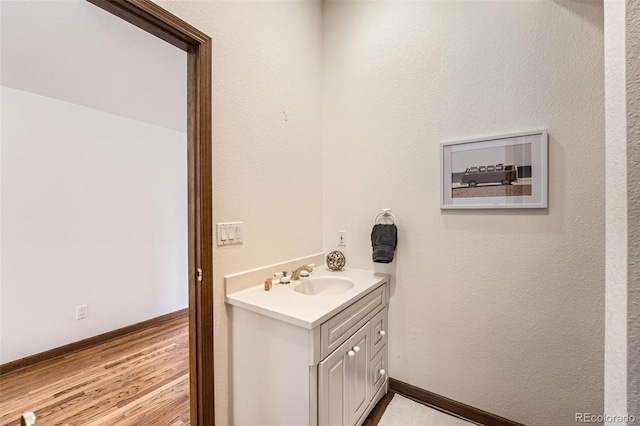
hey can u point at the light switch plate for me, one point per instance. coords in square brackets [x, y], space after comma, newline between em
[342, 238]
[229, 233]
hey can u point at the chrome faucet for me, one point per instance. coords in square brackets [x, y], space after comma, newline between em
[295, 275]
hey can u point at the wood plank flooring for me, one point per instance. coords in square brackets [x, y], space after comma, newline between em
[138, 379]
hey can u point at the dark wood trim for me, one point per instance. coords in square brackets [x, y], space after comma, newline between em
[154, 19]
[201, 296]
[71, 348]
[450, 406]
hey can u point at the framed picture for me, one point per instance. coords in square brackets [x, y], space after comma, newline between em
[500, 172]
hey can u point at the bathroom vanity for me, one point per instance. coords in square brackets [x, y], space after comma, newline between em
[312, 357]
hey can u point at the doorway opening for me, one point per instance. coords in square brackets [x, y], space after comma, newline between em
[159, 22]
[155, 20]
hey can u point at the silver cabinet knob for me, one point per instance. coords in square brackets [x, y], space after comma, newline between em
[351, 353]
[382, 372]
[382, 332]
[356, 348]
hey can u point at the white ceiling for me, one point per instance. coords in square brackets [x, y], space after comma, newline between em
[74, 51]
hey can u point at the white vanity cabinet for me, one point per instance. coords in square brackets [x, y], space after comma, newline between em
[351, 378]
[344, 381]
[347, 375]
[330, 374]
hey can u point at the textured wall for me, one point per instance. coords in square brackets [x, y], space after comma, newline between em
[266, 136]
[633, 158]
[502, 310]
[400, 77]
[615, 394]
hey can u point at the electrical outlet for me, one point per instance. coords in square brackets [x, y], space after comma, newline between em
[82, 312]
[342, 238]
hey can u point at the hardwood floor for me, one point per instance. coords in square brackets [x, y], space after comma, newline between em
[138, 379]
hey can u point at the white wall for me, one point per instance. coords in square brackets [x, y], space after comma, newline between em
[501, 310]
[615, 391]
[93, 189]
[74, 51]
[93, 212]
[267, 153]
[633, 202]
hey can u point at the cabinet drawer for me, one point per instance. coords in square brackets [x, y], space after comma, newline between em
[378, 332]
[339, 328]
[378, 370]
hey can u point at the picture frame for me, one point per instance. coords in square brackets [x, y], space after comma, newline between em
[498, 172]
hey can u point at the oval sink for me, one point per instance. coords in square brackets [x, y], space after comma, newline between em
[320, 286]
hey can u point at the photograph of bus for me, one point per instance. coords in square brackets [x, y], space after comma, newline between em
[504, 174]
[498, 172]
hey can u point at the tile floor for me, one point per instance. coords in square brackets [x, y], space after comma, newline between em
[402, 411]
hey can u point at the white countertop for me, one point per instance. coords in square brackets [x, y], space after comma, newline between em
[285, 304]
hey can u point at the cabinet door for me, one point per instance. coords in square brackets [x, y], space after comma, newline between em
[334, 388]
[359, 367]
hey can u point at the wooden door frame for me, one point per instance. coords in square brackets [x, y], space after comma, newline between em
[159, 22]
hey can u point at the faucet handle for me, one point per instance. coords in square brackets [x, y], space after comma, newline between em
[284, 279]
